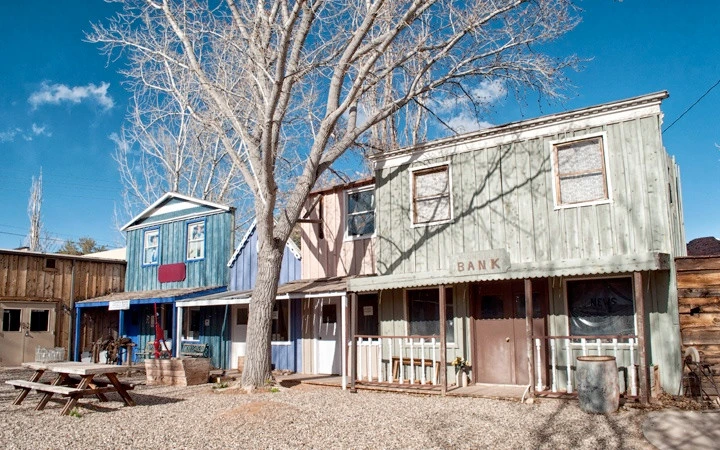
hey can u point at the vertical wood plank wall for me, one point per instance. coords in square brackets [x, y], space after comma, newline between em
[503, 198]
[23, 277]
[334, 256]
[210, 271]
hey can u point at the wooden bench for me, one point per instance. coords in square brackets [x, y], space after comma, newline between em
[194, 350]
[44, 387]
[415, 362]
[149, 352]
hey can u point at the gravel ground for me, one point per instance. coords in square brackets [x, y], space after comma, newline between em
[304, 416]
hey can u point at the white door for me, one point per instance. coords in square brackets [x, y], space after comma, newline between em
[239, 334]
[327, 336]
[25, 326]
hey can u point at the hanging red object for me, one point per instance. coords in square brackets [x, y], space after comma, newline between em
[159, 335]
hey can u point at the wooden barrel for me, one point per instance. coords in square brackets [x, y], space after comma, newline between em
[597, 384]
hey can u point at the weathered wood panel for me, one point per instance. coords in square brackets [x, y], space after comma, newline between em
[209, 271]
[503, 198]
[328, 253]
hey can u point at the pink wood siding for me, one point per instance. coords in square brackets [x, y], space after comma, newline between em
[333, 256]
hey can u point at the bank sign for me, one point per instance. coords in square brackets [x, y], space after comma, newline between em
[479, 263]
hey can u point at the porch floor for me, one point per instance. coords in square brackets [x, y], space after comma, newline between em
[494, 391]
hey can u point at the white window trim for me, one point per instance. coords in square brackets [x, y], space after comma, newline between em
[187, 317]
[156, 231]
[606, 152]
[412, 194]
[406, 311]
[607, 277]
[188, 240]
[346, 236]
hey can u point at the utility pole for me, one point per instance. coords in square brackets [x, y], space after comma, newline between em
[34, 213]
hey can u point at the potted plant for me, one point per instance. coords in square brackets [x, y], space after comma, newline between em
[462, 369]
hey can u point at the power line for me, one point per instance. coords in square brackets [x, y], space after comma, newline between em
[692, 106]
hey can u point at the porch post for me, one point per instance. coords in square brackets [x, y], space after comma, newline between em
[353, 342]
[529, 334]
[121, 323]
[343, 338]
[443, 340]
[644, 379]
[178, 331]
[76, 349]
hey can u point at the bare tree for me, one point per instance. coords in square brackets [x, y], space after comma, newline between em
[34, 210]
[163, 148]
[289, 86]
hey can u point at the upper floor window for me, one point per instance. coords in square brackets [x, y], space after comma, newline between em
[431, 195]
[151, 239]
[360, 213]
[196, 240]
[580, 172]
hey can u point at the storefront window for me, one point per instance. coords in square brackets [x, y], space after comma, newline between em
[424, 312]
[280, 321]
[601, 307]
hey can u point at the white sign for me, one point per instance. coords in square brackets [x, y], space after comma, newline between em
[367, 310]
[488, 261]
[118, 305]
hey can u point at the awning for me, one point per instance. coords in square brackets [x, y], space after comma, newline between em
[149, 297]
[563, 268]
[317, 288]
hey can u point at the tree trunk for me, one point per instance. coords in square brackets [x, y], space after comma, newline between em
[257, 356]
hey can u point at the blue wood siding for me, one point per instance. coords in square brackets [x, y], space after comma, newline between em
[287, 356]
[210, 271]
[215, 334]
[244, 270]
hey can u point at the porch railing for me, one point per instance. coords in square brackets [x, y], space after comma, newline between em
[562, 351]
[398, 359]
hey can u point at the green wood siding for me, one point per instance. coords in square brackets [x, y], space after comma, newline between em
[210, 271]
[503, 199]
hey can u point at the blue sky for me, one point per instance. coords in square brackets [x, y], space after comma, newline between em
[60, 102]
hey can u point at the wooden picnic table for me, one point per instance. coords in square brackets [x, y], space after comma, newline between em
[86, 386]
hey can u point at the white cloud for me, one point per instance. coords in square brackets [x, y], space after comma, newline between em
[40, 130]
[485, 94]
[57, 93]
[9, 135]
[466, 123]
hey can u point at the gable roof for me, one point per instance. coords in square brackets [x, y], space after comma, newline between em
[165, 199]
[248, 234]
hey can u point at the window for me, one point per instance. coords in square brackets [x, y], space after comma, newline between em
[11, 320]
[424, 312]
[39, 320]
[196, 240]
[242, 315]
[431, 195]
[360, 213]
[280, 321]
[50, 264]
[191, 324]
[601, 307]
[151, 240]
[367, 315]
[329, 313]
[580, 172]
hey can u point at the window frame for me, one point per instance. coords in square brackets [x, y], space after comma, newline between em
[5, 324]
[450, 340]
[607, 186]
[48, 320]
[347, 215]
[568, 316]
[421, 170]
[187, 324]
[288, 321]
[145, 233]
[188, 241]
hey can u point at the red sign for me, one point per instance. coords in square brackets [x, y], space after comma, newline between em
[168, 273]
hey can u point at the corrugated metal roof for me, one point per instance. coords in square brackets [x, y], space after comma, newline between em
[565, 268]
[175, 294]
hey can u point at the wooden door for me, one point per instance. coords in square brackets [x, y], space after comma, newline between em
[25, 326]
[327, 337]
[499, 336]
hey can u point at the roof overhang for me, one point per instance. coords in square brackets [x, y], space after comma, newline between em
[651, 261]
[149, 297]
[298, 289]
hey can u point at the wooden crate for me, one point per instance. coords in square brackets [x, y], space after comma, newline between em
[177, 371]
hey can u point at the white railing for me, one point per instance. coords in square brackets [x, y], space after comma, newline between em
[398, 359]
[562, 351]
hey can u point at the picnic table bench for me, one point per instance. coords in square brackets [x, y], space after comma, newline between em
[87, 386]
